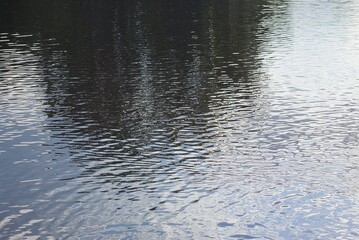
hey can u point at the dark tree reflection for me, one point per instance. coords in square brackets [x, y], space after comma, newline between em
[129, 78]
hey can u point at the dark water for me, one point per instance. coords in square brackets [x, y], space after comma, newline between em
[207, 119]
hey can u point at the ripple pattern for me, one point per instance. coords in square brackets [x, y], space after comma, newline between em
[179, 120]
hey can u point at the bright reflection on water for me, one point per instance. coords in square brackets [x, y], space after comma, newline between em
[223, 119]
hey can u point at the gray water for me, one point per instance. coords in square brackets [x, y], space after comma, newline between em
[164, 119]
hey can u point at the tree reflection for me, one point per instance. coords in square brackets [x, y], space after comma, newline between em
[142, 79]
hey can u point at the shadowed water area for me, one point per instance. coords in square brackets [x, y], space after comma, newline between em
[179, 119]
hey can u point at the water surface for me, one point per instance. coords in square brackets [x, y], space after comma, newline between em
[216, 119]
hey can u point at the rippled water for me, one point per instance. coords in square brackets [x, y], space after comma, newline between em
[223, 119]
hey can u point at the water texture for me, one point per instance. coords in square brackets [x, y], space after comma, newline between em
[208, 119]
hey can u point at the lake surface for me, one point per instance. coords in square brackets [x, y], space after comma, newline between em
[207, 119]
